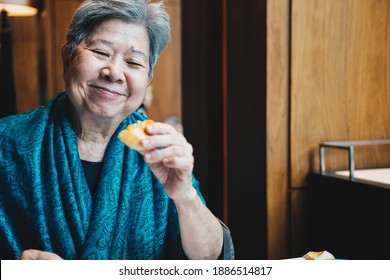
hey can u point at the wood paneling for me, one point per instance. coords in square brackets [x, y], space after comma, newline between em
[277, 136]
[25, 60]
[340, 77]
[340, 73]
[166, 83]
[59, 15]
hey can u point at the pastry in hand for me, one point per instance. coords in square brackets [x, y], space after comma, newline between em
[134, 133]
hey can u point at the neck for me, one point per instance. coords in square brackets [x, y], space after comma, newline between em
[90, 150]
[93, 135]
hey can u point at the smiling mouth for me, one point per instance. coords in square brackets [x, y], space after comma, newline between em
[107, 91]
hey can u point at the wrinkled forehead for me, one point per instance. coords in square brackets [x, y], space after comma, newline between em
[112, 33]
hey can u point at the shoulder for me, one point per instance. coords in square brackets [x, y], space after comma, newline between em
[21, 121]
[17, 128]
[28, 123]
[31, 118]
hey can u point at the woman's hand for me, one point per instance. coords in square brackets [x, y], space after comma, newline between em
[170, 158]
[32, 254]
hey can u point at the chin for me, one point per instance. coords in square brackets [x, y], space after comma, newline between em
[112, 113]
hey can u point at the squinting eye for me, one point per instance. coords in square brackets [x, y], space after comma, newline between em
[133, 63]
[100, 53]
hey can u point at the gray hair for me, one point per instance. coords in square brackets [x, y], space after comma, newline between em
[153, 16]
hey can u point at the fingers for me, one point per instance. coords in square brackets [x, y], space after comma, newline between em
[172, 156]
[176, 155]
[159, 128]
[179, 163]
[32, 254]
[168, 146]
[163, 135]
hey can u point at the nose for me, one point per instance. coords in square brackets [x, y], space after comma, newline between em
[113, 71]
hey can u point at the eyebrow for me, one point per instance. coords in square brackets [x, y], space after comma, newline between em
[138, 52]
[108, 43]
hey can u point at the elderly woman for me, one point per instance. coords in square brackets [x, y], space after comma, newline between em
[70, 188]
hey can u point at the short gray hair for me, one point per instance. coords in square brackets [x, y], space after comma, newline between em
[153, 16]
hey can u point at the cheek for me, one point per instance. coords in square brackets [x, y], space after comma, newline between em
[72, 75]
[80, 69]
[137, 84]
[81, 72]
[137, 94]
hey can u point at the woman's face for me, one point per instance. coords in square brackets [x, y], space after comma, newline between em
[108, 75]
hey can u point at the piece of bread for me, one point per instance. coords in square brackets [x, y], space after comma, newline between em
[322, 255]
[134, 133]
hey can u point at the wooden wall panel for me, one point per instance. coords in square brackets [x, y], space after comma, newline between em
[166, 83]
[339, 79]
[278, 14]
[61, 14]
[368, 68]
[25, 61]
